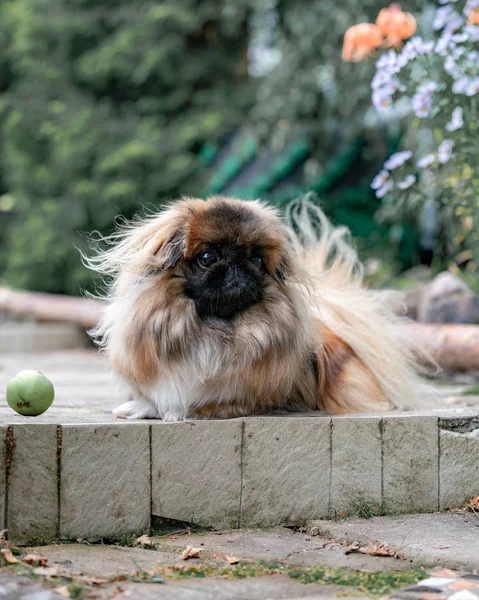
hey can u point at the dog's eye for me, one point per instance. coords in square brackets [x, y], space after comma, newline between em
[257, 261]
[207, 257]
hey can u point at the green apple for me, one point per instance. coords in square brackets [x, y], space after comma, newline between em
[30, 393]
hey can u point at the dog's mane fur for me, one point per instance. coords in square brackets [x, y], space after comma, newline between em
[330, 344]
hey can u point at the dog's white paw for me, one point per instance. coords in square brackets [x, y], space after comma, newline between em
[136, 409]
[172, 416]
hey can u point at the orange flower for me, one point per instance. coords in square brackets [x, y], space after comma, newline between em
[473, 18]
[396, 25]
[360, 41]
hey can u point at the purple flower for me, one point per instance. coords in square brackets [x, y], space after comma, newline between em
[450, 65]
[443, 43]
[380, 179]
[461, 85]
[454, 23]
[431, 86]
[425, 161]
[407, 182]
[387, 187]
[388, 62]
[382, 100]
[456, 121]
[442, 16]
[444, 151]
[380, 78]
[421, 104]
[473, 87]
[472, 32]
[397, 159]
[460, 38]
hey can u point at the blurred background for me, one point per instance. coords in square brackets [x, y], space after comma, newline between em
[111, 107]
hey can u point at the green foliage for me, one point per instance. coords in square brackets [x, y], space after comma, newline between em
[105, 107]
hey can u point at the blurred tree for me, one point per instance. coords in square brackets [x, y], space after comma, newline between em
[107, 105]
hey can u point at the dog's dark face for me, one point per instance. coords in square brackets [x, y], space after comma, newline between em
[231, 256]
[225, 279]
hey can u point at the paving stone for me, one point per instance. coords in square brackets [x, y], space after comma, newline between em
[437, 539]
[286, 470]
[32, 514]
[410, 464]
[458, 468]
[105, 480]
[196, 471]
[356, 465]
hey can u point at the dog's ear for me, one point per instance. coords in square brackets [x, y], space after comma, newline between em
[171, 250]
[165, 240]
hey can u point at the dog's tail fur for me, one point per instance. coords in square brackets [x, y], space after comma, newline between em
[366, 320]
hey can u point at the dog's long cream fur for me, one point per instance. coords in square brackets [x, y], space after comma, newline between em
[176, 366]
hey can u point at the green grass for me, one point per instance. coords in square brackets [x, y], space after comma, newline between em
[375, 584]
[474, 391]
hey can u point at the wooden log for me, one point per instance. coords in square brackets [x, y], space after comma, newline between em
[50, 307]
[452, 347]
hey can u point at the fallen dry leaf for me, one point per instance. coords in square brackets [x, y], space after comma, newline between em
[8, 556]
[441, 547]
[144, 540]
[35, 559]
[232, 560]
[190, 552]
[49, 571]
[374, 549]
[63, 591]
[473, 504]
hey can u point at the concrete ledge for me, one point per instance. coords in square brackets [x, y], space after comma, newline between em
[65, 481]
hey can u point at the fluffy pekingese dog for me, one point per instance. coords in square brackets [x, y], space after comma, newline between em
[219, 309]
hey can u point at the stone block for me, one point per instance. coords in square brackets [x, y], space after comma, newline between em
[410, 464]
[356, 465]
[32, 514]
[458, 468]
[196, 471]
[105, 487]
[286, 470]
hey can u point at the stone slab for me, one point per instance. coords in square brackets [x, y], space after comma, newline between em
[32, 514]
[458, 468]
[105, 487]
[286, 470]
[356, 465]
[410, 464]
[438, 539]
[196, 471]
